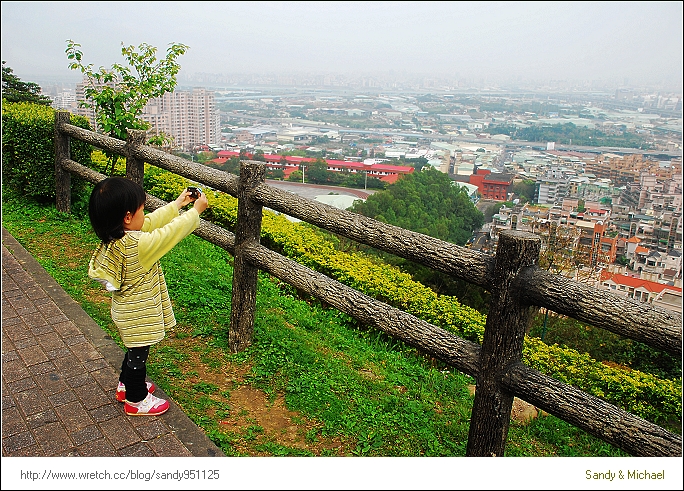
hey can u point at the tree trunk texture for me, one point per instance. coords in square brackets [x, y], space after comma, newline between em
[62, 153]
[595, 416]
[502, 345]
[247, 231]
[655, 326]
[135, 167]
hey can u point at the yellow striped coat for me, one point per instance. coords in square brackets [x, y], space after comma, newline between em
[129, 268]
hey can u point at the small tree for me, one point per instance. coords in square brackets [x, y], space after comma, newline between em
[14, 90]
[118, 96]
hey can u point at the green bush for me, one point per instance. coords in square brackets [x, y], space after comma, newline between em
[28, 150]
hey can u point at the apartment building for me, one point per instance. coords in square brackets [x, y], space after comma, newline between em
[65, 100]
[190, 117]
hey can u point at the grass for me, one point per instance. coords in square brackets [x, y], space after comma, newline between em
[313, 383]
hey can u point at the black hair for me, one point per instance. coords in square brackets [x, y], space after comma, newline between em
[110, 200]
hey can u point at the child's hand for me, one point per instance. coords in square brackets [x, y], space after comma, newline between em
[201, 203]
[184, 198]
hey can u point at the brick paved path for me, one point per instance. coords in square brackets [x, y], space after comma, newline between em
[59, 378]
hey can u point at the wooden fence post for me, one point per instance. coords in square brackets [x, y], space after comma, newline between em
[62, 152]
[135, 168]
[247, 230]
[502, 345]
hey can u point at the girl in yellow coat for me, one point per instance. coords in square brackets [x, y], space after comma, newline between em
[127, 264]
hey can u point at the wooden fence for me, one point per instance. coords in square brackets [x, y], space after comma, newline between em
[518, 289]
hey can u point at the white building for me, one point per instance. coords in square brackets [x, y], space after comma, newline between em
[190, 117]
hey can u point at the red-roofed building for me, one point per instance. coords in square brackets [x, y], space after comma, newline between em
[666, 296]
[382, 171]
[495, 187]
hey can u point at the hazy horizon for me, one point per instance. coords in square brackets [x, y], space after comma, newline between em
[616, 43]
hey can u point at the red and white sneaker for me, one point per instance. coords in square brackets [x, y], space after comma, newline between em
[121, 391]
[149, 406]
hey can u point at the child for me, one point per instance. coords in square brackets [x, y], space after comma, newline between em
[127, 264]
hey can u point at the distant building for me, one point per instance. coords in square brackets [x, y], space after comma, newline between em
[659, 294]
[497, 187]
[289, 163]
[190, 117]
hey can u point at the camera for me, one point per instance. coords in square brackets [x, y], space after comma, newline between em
[194, 192]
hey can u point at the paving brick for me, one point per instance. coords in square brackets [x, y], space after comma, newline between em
[66, 329]
[22, 343]
[7, 346]
[92, 396]
[7, 401]
[62, 398]
[33, 355]
[31, 401]
[106, 413]
[53, 438]
[137, 450]
[74, 416]
[46, 367]
[51, 382]
[55, 354]
[79, 380]
[169, 446]
[95, 363]
[74, 340]
[10, 355]
[34, 319]
[16, 330]
[98, 448]
[51, 341]
[33, 450]
[21, 385]
[48, 308]
[58, 319]
[67, 367]
[87, 434]
[12, 422]
[152, 429]
[13, 443]
[120, 432]
[9, 317]
[41, 419]
[13, 370]
[107, 377]
[22, 305]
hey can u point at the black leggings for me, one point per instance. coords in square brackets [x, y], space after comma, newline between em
[134, 372]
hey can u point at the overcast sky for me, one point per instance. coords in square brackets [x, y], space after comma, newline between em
[628, 42]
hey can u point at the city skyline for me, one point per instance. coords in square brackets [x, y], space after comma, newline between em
[615, 43]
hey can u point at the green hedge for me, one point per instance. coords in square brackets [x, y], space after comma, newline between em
[28, 150]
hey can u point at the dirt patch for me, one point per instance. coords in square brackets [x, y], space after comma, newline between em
[253, 419]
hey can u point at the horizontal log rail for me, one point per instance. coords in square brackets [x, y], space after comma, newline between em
[518, 286]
